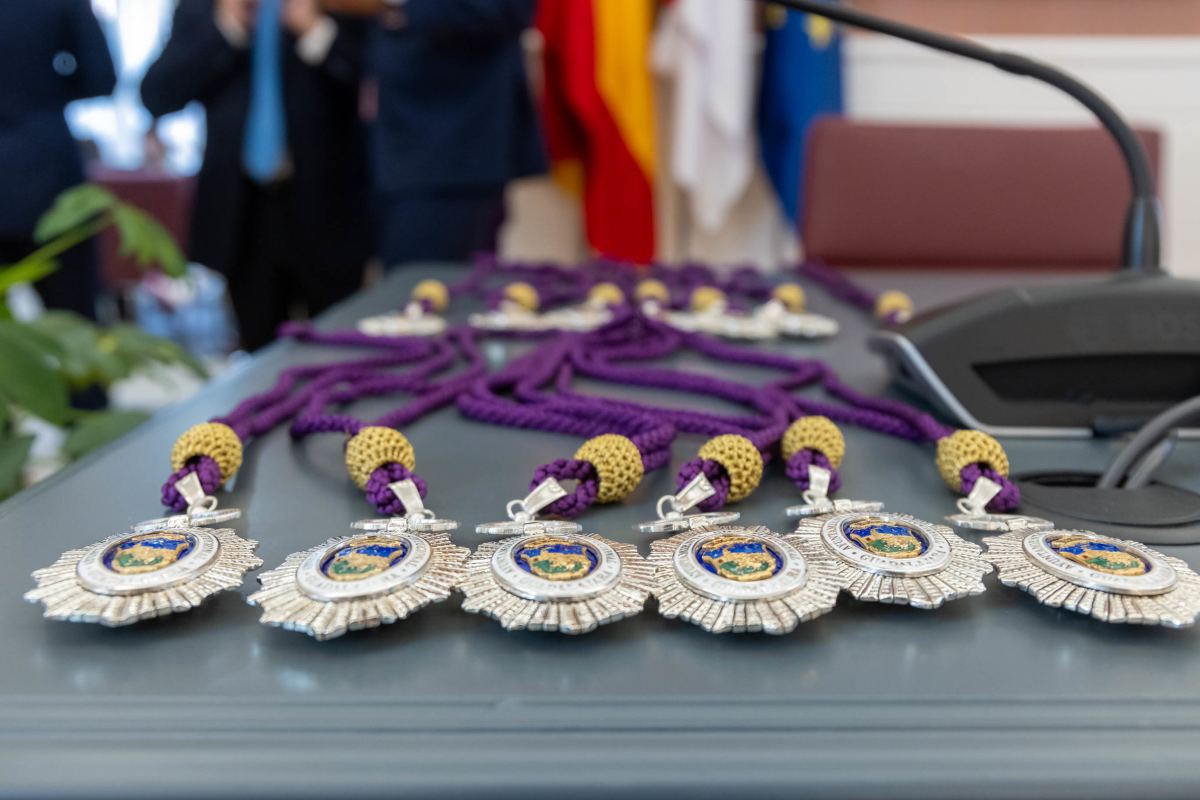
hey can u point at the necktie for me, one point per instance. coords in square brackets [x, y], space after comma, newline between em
[266, 135]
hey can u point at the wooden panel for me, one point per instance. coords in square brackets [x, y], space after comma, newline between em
[1058, 17]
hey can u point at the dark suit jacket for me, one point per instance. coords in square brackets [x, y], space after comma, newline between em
[51, 52]
[326, 140]
[454, 103]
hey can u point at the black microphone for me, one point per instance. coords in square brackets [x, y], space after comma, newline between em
[1084, 358]
[1141, 251]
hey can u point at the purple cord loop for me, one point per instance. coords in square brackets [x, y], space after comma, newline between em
[1006, 501]
[206, 470]
[382, 497]
[716, 475]
[801, 460]
[582, 498]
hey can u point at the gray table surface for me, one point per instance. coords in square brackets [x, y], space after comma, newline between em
[989, 696]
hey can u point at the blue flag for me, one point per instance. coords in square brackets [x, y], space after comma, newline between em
[802, 79]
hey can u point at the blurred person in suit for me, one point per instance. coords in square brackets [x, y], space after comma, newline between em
[455, 121]
[51, 53]
[281, 203]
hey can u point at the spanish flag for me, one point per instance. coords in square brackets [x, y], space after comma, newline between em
[598, 111]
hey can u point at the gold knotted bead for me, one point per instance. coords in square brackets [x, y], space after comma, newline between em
[523, 294]
[652, 289]
[894, 302]
[433, 292]
[606, 294]
[791, 295]
[741, 460]
[963, 448]
[374, 446]
[815, 433]
[705, 297]
[213, 439]
[618, 464]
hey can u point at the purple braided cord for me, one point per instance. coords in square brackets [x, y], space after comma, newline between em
[632, 337]
[1010, 494]
[383, 498]
[837, 284]
[206, 470]
[801, 460]
[716, 475]
[586, 488]
[262, 412]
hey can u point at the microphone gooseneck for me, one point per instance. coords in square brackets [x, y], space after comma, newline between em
[1141, 251]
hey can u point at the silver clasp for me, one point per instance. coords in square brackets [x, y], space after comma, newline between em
[673, 506]
[975, 516]
[817, 501]
[672, 509]
[542, 495]
[522, 514]
[818, 485]
[982, 493]
[416, 517]
[201, 509]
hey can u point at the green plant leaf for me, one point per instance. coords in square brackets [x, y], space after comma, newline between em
[47, 344]
[13, 452]
[71, 209]
[28, 378]
[100, 428]
[134, 343]
[76, 339]
[26, 271]
[148, 242]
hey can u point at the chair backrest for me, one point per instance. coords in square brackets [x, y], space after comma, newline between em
[906, 195]
[165, 197]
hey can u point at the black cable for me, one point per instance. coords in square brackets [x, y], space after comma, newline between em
[1145, 440]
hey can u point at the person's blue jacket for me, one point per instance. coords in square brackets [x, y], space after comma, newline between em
[455, 109]
[51, 52]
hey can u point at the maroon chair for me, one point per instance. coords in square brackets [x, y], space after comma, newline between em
[924, 196]
[164, 196]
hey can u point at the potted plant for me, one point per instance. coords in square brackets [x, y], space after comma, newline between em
[43, 361]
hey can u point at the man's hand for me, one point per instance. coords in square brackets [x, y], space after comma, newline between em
[239, 13]
[354, 8]
[301, 16]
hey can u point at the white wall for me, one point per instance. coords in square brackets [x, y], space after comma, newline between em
[1156, 81]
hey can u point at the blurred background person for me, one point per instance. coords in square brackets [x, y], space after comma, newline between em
[51, 53]
[455, 121]
[281, 197]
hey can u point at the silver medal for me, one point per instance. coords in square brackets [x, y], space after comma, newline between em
[582, 318]
[818, 503]
[511, 316]
[393, 569]
[161, 566]
[742, 578]
[672, 510]
[974, 516]
[1112, 580]
[746, 327]
[799, 324]
[522, 514]
[556, 581]
[413, 321]
[715, 320]
[897, 558]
